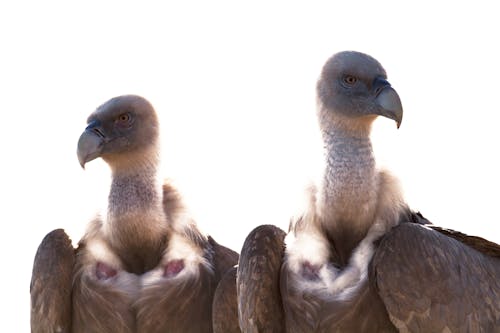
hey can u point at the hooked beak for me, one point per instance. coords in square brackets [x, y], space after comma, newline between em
[90, 143]
[388, 100]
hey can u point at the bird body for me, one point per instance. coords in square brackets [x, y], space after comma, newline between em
[143, 287]
[356, 203]
[358, 259]
[144, 266]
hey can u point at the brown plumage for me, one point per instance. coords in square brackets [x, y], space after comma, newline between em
[260, 293]
[145, 266]
[51, 284]
[225, 308]
[358, 259]
[440, 283]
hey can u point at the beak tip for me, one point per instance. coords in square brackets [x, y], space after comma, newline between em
[82, 160]
[89, 147]
[390, 103]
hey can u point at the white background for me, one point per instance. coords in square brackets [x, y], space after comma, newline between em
[234, 86]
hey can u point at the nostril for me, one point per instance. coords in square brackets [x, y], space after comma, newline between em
[98, 132]
[95, 127]
[379, 84]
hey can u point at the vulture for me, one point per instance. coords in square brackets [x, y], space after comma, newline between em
[144, 266]
[357, 258]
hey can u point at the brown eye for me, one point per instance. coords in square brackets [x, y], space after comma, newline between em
[124, 120]
[124, 117]
[350, 80]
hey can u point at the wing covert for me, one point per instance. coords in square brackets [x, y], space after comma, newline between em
[258, 281]
[51, 284]
[430, 282]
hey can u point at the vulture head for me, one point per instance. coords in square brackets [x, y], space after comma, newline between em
[353, 87]
[123, 131]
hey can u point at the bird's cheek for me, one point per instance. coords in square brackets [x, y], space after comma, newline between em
[115, 145]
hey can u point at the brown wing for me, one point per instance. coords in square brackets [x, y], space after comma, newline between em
[258, 281]
[224, 258]
[225, 306]
[430, 282]
[480, 244]
[51, 284]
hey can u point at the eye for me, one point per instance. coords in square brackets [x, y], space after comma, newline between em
[124, 120]
[124, 117]
[349, 80]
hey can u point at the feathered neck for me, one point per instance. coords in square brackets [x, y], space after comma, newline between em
[348, 195]
[136, 224]
[135, 186]
[136, 190]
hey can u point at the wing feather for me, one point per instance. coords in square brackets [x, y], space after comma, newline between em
[225, 307]
[51, 284]
[260, 307]
[430, 282]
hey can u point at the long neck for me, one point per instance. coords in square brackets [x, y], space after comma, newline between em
[136, 226]
[349, 167]
[348, 197]
[134, 192]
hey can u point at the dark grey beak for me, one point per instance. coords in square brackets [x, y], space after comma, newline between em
[90, 144]
[388, 99]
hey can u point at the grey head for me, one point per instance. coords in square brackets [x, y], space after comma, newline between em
[122, 131]
[354, 85]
